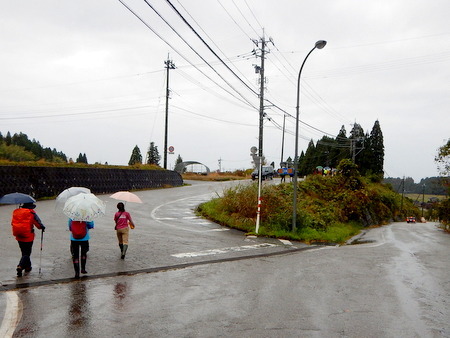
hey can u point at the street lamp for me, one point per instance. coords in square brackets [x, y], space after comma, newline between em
[319, 44]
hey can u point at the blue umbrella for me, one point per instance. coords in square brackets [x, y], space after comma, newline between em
[16, 198]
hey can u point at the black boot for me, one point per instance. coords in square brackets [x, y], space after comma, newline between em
[83, 265]
[19, 271]
[124, 251]
[121, 248]
[76, 266]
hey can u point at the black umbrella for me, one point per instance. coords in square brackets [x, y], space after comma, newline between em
[16, 198]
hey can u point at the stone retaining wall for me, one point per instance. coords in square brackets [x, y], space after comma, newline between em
[50, 181]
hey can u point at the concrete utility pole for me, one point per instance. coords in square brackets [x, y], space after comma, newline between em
[282, 140]
[169, 65]
[260, 70]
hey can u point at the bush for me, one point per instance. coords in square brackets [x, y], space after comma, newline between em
[328, 209]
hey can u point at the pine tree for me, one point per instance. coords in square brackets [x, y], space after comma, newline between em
[153, 156]
[81, 157]
[136, 157]
[307, 164]
[376, 147]
[8, 138]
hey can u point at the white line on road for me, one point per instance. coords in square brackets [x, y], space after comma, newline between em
[223, 250]
[166, 220]
[13, 314]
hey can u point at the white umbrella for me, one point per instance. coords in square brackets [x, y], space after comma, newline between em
[69, 192]
[126, 196]
[84, 207]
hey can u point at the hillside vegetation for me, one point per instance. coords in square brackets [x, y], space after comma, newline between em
[330, 208]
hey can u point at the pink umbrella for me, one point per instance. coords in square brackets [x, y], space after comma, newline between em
[126, 196]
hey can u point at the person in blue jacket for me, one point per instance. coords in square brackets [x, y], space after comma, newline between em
[77, 244]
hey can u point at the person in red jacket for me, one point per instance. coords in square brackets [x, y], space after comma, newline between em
[23, 221]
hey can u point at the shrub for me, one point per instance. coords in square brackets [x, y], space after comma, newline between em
[328, 208]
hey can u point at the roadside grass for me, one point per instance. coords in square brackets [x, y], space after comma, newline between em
[330, 209]
[339, 233]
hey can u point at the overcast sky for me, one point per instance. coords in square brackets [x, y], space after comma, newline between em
[89, 77]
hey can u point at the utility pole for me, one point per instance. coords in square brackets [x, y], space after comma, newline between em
[260, 70]
[169, 65]
[282, 140]
[423, 198]
[403, 193]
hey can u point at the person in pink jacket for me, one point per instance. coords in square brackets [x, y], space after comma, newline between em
[123, 221]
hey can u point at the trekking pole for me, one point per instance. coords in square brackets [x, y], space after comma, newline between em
[40, 254]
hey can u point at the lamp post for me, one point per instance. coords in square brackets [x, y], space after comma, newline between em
[319, 44]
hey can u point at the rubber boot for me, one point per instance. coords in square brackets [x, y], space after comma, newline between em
[83, 265]
[124, 251]
[76, 267]
[121, 248]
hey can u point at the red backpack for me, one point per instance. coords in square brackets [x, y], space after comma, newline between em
[22, 223]
[79, 229]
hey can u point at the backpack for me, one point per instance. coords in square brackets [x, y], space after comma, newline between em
[79, 229]
[22, 223]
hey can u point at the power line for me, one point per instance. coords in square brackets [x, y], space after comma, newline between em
[245, 18]
[181, 54]
[203, 87]
[253, 14]
[213, 118]
[239, 26]
[231, 62]
[207, 46]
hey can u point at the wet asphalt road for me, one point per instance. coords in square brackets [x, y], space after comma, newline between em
[166, 225]
[193, 278]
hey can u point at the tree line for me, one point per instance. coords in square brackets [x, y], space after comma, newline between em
[19, 147]
[427, 186]
[365, 149]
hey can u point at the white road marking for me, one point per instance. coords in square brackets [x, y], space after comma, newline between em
[13, 314]
[223, 250]
[166, 220]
